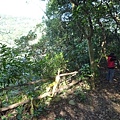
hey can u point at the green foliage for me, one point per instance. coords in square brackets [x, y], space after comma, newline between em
[14, 68]
[48, 66]
[19, 68]
[80, 94]
[19, 112]
[59, 118]
[23, 41]
[4, 118]
[77, 55]
[113, 42]
[85, 70]
[63, 47]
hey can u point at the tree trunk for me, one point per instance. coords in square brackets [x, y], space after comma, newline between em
[92, 63]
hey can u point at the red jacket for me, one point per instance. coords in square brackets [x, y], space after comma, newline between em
[111, 62]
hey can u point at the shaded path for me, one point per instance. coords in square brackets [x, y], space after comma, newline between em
[101, 104]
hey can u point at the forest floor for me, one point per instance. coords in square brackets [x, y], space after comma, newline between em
[101, 104]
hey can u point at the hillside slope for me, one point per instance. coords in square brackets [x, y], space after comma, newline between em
[14, 27]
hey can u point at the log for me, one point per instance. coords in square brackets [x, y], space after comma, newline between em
[13, 106]
[65, 74]
[39, 97]
[35, 82]
[25, 84]
[23, 102]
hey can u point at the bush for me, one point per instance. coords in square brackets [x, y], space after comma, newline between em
[48, 66]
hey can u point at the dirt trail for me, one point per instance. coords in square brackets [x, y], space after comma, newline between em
[101, 104]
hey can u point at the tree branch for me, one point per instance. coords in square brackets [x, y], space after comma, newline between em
[30, 83]
[74, 2]
[116, 18]
[37, 98]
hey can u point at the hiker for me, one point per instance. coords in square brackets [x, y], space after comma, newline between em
[111, 66]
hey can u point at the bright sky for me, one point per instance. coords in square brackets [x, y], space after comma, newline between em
[28, 8]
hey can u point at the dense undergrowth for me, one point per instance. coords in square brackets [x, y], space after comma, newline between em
[37, 97]
[27, 82]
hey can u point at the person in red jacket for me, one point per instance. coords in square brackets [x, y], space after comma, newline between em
[111, 66]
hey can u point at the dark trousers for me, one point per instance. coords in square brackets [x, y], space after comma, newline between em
[110, 74]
